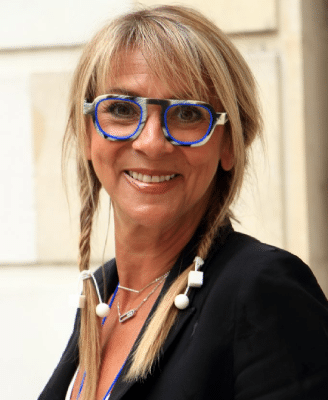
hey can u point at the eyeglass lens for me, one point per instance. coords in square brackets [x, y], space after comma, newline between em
[121, 118]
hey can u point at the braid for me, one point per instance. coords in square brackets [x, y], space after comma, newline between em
[148, 349]
[89, 341]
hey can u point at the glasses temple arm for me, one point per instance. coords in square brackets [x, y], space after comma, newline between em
[222, 118]
[88, 108]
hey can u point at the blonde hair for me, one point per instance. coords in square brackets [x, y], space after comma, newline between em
[214, 71]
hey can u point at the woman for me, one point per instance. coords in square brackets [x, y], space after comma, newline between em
[198, 311]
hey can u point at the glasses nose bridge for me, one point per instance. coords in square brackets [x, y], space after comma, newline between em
[157, 102]
[163, 104]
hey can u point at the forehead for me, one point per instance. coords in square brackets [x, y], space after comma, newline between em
[132, 72]
[133, 63]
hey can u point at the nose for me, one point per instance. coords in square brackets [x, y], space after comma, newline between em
[151, 140]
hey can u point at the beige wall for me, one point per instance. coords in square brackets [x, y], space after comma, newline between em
[58, 209]
[315, 112]
[39, 43]
[234, 15]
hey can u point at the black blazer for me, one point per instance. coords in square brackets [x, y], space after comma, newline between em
[256, 330]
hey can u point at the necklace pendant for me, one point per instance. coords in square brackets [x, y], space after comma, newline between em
[127, 315]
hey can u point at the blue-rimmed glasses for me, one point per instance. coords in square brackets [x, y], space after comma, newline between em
[184, 122]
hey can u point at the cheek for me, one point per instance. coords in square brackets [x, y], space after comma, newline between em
[98, 155]
[203, 163]
[102, 154]
[204, 159]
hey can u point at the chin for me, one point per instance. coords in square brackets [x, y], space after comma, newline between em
[154, 216]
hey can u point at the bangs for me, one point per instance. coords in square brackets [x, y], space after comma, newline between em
[176, 56]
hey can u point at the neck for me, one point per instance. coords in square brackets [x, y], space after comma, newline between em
[145, 253]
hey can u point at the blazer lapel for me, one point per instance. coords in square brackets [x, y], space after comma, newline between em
[122, 387]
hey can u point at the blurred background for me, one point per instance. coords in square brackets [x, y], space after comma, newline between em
[284, 201]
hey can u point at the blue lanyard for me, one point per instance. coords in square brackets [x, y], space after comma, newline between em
[107, 395]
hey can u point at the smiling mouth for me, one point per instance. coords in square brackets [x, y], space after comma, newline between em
[150, 178]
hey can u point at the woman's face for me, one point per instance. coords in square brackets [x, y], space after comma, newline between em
[189, 170]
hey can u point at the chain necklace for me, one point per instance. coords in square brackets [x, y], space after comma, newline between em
[149, 284]
[123, 318]
[131, 313]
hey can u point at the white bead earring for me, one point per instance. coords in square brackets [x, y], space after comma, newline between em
[102, 309]
[195, 279]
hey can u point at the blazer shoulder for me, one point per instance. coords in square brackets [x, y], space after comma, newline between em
[246, 265]
[281, 325]
[253, 257]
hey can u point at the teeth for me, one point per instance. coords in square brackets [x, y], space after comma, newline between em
[148, 178]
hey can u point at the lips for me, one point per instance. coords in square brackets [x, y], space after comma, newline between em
[150, 178]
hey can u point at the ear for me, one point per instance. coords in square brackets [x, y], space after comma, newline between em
[227, 156]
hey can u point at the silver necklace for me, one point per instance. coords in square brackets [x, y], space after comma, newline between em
[149, 284]
[131, 313]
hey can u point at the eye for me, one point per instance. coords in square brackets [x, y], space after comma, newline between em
[122, 109]
[186, 114]
[118, 110]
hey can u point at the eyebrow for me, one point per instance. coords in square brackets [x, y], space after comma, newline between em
[125, 92]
